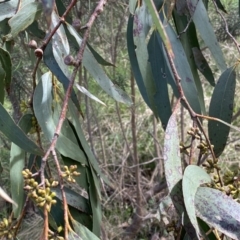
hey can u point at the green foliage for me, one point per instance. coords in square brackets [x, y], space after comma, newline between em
[183, 57]
[165, 43]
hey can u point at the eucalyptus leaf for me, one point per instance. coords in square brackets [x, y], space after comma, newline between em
[141, 27]
[84, 144]
[6, 62]
[23, 18]
[133, 61]
[221, 106]
[218, 210]
[91, 64]
[42, 104]
[183, 68]
[2, 84]
[17, 163]
[193, 177]
[160, 77]
[82, 231]
[171, 154]
[60, 45]
[189, 42]
[8, 9]
[87, 93]
[202, 23]
[132, 6]
[53, 66]
[74, 199]
[15, 134]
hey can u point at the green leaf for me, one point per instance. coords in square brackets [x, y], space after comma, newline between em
[94, 192]
[87, 93]
[60, 46]
[5, 196]
[202, 65]
[193, 177]
[4, 27]
[202, 23]
[2, 84]
[73, 236]
[82, 178]
[184, 70]
[218, 210]
[158, 65]
[74, 199]
[15, 134]
[133, 60]
[221, 106]
[220, 6]
[23, 18]
[5, 59]
[35, 30]
[98, 57]
[8, 9]
[189, 42]
[17, 163]
[84, 144]
[141, 28]
[61, 10]
[168, 71]
[206, 229]
[53, 66]
[42, 104]
[98, 74]
[82, 231]
[132, 6]
[171, 154]
[178, 201]
[159, 26]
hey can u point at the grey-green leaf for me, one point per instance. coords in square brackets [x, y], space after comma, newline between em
[23, 18]
[133, 61]
[158, 65]
[189, 41]
[193, 177]
[42, 104]
[91, 64]
[52, 64]
[171, 154]
[84, 232]
[202, 23]
[15, 134]
[218, 210]
[17, 163]
[8, 9]
[221, 106]
[141, 28]
[183, 69]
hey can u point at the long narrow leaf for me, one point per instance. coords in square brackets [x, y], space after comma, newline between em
[42, 104]
[193, 177]
[17, 162]
[91, 64]
[221, 106]
[218, 210]
[15, 134]
[201, 20]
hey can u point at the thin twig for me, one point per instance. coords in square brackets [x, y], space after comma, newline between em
[226, 27]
